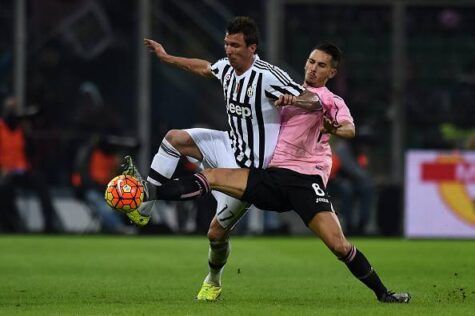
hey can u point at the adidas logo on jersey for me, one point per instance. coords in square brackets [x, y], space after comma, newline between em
[240, 110]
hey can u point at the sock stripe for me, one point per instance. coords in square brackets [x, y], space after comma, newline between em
[153, 181]
[350, 255]
[189, 195]
[203, 187]
[203, 181]
[169, 152]
[169, 149]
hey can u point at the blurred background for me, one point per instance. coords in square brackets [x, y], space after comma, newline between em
[79, 90]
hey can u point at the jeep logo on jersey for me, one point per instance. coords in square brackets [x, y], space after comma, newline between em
[238, 109]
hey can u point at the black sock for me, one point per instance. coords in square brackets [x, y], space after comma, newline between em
[185, 188]
[362, 269]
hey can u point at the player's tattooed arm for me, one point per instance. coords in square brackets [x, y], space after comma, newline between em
[306, 100]
[197, 66]
[309, 101]
[344, 129]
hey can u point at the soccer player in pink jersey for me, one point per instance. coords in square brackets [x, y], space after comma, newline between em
[298, 172]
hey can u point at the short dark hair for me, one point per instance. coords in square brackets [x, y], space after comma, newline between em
[331, 50]
[246, 26]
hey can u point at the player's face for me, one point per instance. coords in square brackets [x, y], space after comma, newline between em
[318, 69]
[239, 54]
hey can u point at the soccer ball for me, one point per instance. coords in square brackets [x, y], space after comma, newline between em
[124, 193]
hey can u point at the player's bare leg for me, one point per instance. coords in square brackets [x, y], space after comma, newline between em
[219, 249]
[183, 142]
[229, 181]
[232, 182]
[327, 226]
[175, 144]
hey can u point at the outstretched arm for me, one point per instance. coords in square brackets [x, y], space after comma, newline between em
[306, 100]
[197, 66]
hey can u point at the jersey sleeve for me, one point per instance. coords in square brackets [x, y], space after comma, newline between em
[219, 68]
[278, 82]
[339, 112]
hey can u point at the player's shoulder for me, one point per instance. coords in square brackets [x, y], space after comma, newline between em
[269, 69]
[338, 102]
[262, 64]
[328, 97]
[338, 99]
[334, 96]
[223, 61]
[220, 66]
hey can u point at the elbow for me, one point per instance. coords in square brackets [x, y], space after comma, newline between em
[348, 131]
[308, 101]
[313, 106]
[352, 132]
[310, 106]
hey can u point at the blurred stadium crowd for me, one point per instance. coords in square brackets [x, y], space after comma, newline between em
[80, 112]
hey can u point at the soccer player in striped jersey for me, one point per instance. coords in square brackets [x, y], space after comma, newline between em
[250, 86]
[298, 172]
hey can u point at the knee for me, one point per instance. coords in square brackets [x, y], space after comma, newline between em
[177, 138]
[216, 233]
[340, 247]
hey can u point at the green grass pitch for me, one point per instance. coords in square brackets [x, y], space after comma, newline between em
[100, 275]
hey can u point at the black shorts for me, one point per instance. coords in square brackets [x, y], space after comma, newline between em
[282, 190]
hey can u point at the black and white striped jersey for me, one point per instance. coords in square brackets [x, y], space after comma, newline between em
[254, 121]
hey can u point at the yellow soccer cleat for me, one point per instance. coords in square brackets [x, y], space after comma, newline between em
[141, 216]
[209, 292]
[137, 218]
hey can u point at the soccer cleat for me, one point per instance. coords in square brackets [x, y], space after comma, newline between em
[141, 216]
[208, 292]
[136, 218]
[129, 169]
[391, 297]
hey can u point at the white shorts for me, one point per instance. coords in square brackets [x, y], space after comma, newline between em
[215, 147]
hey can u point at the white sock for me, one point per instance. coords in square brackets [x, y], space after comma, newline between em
[217, 257]
[164, 163]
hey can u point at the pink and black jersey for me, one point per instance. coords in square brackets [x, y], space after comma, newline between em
[301, 146]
